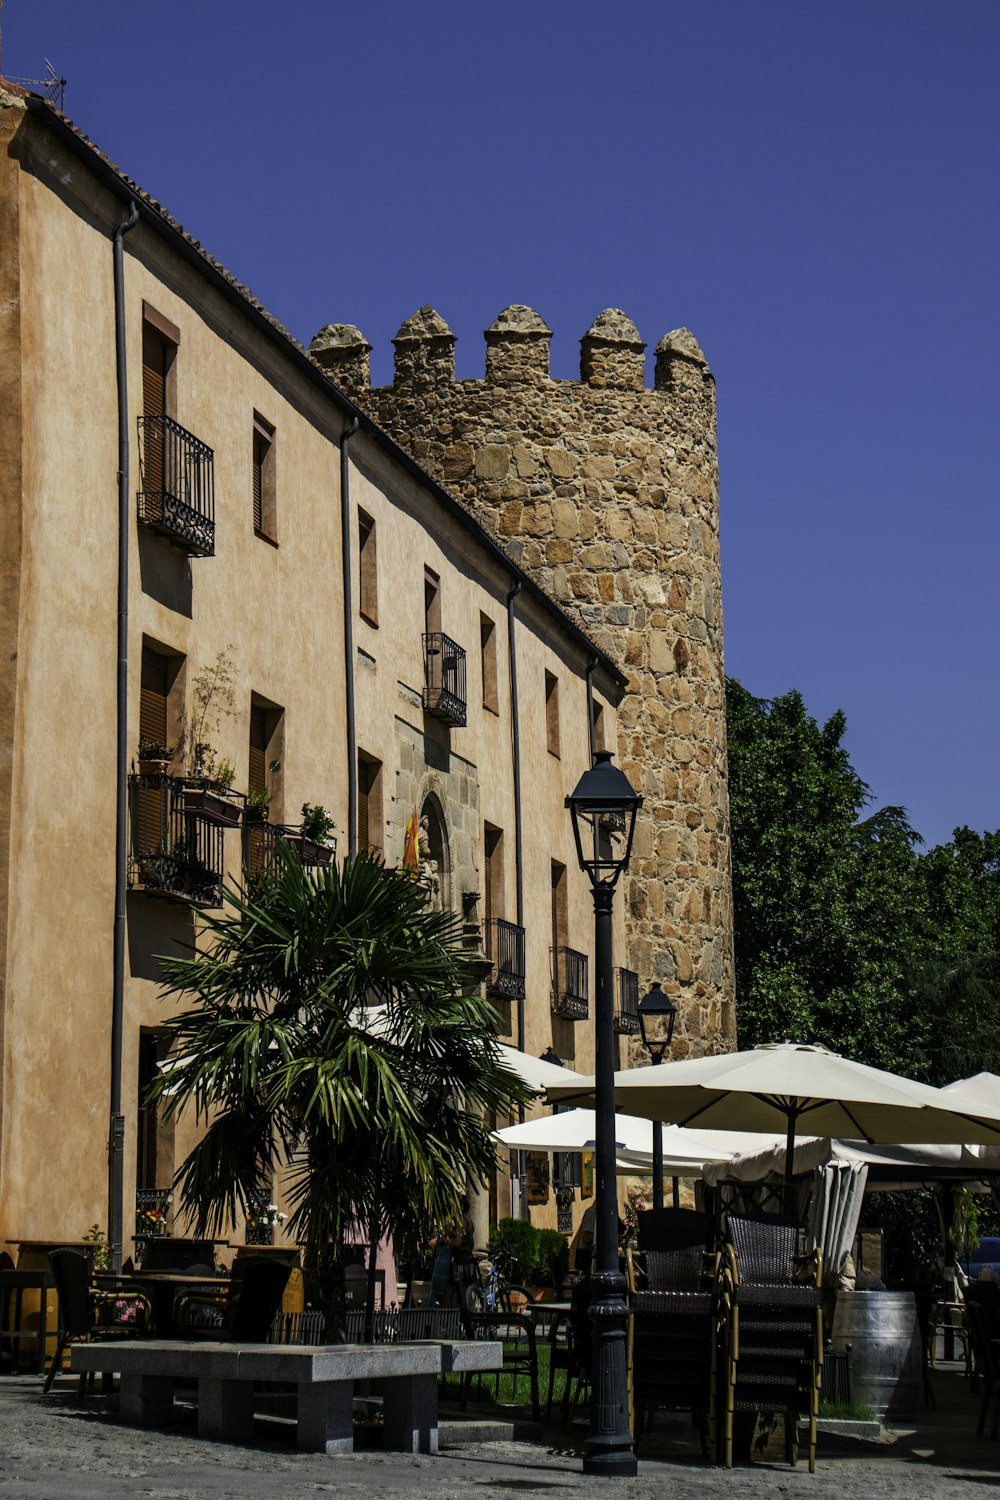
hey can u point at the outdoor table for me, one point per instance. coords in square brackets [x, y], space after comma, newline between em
[162, 1287]
[14, 1321]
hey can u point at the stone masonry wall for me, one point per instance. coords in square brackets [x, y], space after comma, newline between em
[607, 493]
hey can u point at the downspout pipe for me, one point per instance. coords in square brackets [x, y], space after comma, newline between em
[116, 1122]
[352, 727]
[515, 738]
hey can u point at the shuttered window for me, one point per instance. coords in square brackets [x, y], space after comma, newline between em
[257, 780]
[153, 692]
[155, 356]
[259, 454]
[265, 522]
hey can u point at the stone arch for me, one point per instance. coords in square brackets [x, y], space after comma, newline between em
[435, 850]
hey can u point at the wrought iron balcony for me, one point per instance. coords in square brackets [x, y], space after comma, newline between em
[505, 947]
[627, 1002]
[175, 853]
[260, 848]
[177, 474]
[569, 984]
[444, 680]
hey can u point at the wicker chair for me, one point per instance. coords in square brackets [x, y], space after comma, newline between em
[242, 1314]
[772, 1329]
[673, 1320]
[86, 1311]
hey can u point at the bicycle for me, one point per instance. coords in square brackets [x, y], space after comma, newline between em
[493, 1292]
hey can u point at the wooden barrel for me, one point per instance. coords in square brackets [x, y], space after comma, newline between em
[886, 1354]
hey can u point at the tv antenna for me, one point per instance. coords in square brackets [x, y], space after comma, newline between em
[53, 87]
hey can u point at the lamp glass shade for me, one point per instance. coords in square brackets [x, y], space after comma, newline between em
[657, 1008]
[603, 807]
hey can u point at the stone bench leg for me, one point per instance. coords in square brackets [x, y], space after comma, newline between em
[326, 1417]
[225, 1410]
[410, 1411]
[146, 1400]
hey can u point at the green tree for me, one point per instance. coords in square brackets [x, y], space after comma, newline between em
[827, 904]
[956, 986]
[335, 1032]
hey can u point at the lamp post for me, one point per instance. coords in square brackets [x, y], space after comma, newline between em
[656, 1006]
[603, 808]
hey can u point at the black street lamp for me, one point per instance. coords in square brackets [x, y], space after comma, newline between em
[659, 1008]
[604, 808]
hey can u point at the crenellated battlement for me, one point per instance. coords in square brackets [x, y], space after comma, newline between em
[517, 353]
[606, 491]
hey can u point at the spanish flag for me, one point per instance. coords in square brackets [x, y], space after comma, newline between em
[411, 844]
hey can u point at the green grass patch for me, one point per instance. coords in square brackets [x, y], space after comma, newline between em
[847, 1411]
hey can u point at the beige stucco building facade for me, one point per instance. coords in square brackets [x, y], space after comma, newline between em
[383, 683]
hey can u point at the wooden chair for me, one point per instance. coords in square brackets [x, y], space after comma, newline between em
[983, 1337]
[85, 1309]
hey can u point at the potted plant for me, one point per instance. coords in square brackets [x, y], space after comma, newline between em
[257, 808]
[312, 839]
[208, 791]
[154, 757]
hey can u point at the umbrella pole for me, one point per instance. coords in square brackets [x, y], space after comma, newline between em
[789, 1155]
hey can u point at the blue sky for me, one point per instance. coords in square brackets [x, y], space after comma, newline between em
[812, 188]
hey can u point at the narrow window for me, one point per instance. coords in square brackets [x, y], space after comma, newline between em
[160, 339]
[369, 804]
[264, 779]
[145, 1167]
[560, 910]
[264, 512]
[493, 903]
[488, 662]
[432, 602]
[368, 564]
[552, 713]
[158, 673]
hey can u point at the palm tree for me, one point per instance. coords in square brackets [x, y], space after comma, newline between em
[336, 1032]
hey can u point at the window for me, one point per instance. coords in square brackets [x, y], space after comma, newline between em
[552, 713]
[368, 565]
[560, 910]
[369, 804]
[145, 1167]
[160, 339]
[488, 662]
[264, 516]
[264, 771]
[493, 903]
[432, 602]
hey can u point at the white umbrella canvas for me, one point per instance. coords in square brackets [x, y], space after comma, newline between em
[787, 1082]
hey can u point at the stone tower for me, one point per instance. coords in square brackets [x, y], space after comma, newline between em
[608, 494]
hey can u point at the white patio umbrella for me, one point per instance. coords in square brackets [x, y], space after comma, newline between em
[981, 1091]
[535, 1071]
[787, 1082]
[575, 1130]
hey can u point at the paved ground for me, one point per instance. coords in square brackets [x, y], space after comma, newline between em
[66, 1446]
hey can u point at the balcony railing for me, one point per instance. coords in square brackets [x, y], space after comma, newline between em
[505, 946]
[175, 853]
[444, 680]
[627, 1002]
[260, 849]
[569, 984]
[152, 1208]
[177, 475]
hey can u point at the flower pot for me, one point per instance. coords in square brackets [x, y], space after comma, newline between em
[253, 813]
[212, 806]
[308, 850]
[153, 767]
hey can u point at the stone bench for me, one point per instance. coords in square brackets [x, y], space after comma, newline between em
[324, 1378]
